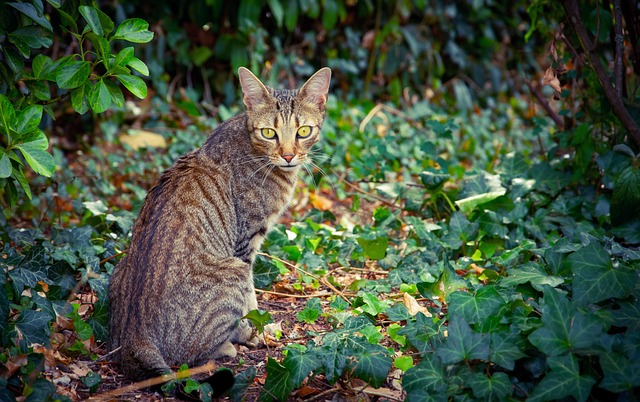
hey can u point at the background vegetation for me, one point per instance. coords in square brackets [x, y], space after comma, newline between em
[471, 231]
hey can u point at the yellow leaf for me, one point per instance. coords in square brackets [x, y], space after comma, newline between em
[137, 139]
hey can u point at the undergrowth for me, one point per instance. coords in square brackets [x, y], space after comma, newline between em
[462, 255]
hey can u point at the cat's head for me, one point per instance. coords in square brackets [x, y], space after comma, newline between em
[284, 124]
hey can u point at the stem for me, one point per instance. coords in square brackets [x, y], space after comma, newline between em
[374, 46]
[618, 107]
[545, 105]
[619, 39]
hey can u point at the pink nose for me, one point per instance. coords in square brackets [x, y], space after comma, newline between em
[288, 158]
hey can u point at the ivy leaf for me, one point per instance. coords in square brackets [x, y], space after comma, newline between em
[563, 380]
[242, 382]
[429, 376]
[300, 364]
[374, 306]
[34, 327]
[259, 319]
[278, 385]
[475, 308]
[73, 74]
[494, 388]
[625, 202]
[595, 279]
[620, 374]
[530, 272]
[422, 332]
[311, 311]
[376, 248]
[504, 349]
[463, 344]
[133, 30]
[564, 329]
[372, 364]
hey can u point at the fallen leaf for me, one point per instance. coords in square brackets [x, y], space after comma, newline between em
[137, 139]
[320, 202]
[551, 79]
[412, 305]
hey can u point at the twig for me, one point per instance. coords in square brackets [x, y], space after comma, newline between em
[109, 354]
[207, 368]
[113, 256]
[297, 268]
[545, 105]
[374, 47]
[271, 292]
[618, 107]
[619, 39]
[370, 116]
[322, 394]
[361, 191]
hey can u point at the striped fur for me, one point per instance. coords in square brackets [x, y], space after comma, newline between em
[179, 294]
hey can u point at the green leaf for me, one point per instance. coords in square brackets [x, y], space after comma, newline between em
[97, 208]
[429, 376]
[311, 311]
[29, 119]
[300, 364]
[242, 382]
[134, 84]
[373, 305]
[376, 248]
[469, 204]
[620, 374]
[99, 22]
[563, 380]
[116, 93]
[73, 74]
[99, 97]
[291, 15]
[133, 30]
[80, 98]
[31, 36]
[494, 388]
[478, 307]
[463, 344]
[13, 59]
[504, 349]
[34, 327]
[403, 363]
[259, 319]
[5, 165]
[564, 329]
[68, 20]
[277, 10]
[34, 152]
[92, 380]
[102, 47]
[372, 364]
[30, 11]
[278, 385]
[124, 57]
[625, 202]
[7, 114]
[139, 66]
[532, 273]
[39, 89]
[18, 174]
[595, 278]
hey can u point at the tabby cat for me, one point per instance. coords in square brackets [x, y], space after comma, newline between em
[179, 294]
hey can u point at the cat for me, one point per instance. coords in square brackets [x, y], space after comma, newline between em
[180, 292]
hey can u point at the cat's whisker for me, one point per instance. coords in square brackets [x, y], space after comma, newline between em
[323, 173]
[308, 169]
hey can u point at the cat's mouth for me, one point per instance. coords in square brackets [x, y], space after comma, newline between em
[288, 168]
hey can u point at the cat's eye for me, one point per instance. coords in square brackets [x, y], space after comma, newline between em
[268, 133]
[304, 131]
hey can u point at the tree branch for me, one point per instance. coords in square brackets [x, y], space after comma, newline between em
[618, 107]
[545, 105]
[619, 39]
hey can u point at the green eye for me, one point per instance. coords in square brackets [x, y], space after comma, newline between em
[268, 133]
[304, 131]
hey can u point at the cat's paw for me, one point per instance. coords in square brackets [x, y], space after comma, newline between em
[226, 350]
[253, 342]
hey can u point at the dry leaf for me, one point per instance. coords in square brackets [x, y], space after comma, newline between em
[320, 202]
[412, 305]
[143, 139]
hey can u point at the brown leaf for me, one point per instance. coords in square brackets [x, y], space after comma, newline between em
[320, 202]
[412, 305]
[551, 79]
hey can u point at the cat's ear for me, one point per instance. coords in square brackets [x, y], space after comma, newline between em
[254, 92]
[316, 89]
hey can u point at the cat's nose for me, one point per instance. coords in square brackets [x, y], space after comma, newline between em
[288, 157]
